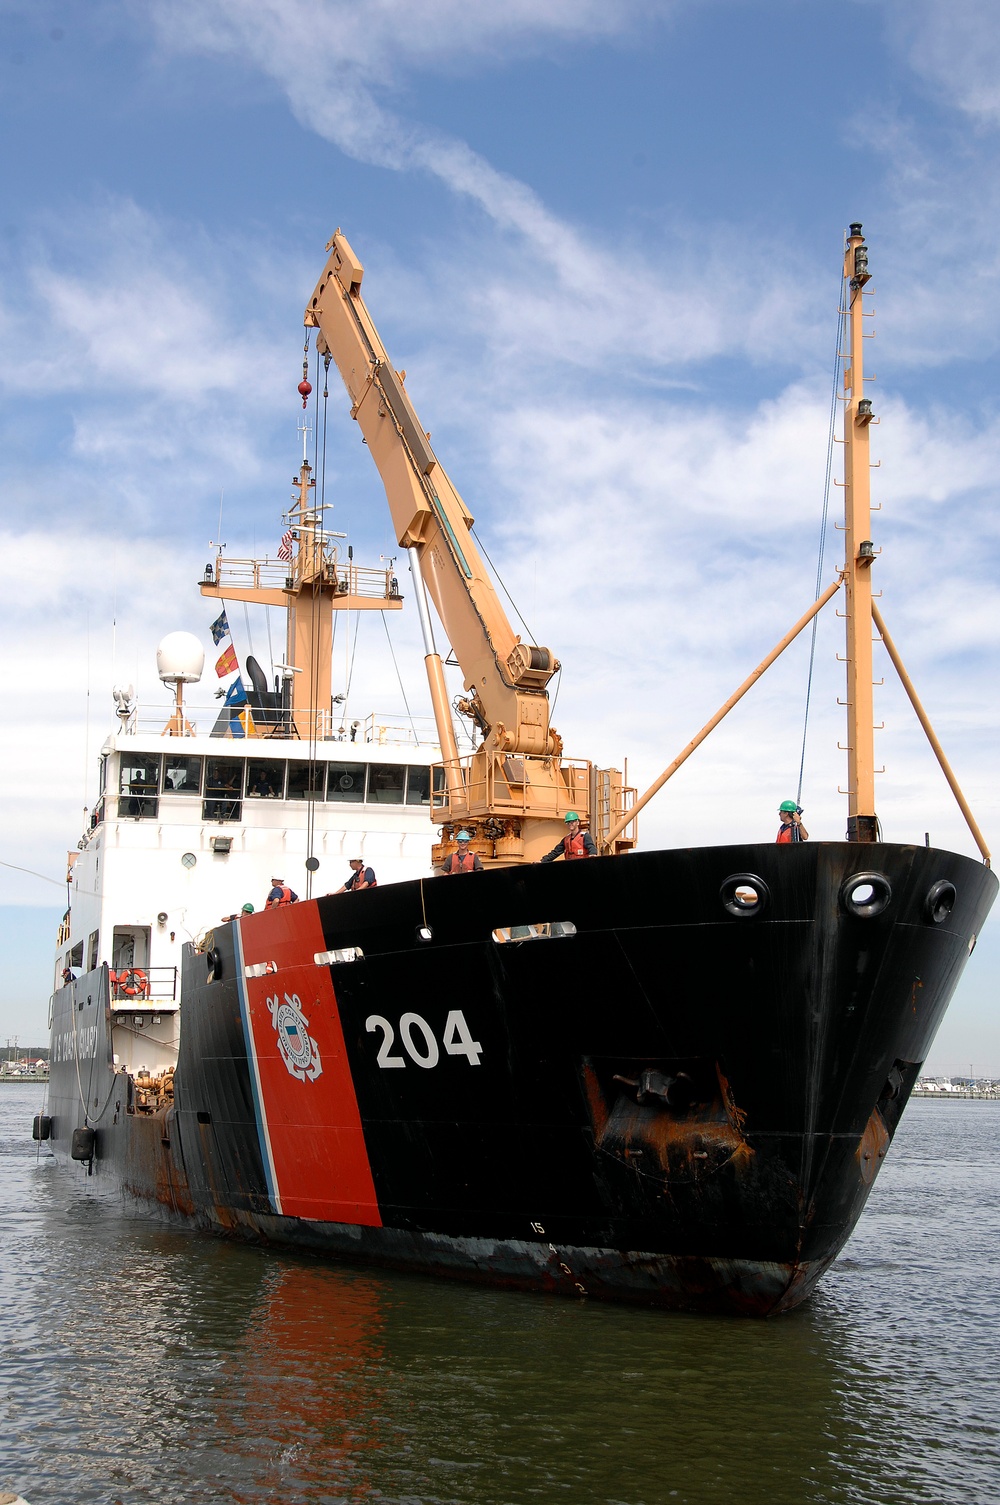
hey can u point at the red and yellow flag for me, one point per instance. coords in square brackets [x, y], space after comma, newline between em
[227, 663]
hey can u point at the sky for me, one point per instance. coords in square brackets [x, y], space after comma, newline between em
[605, 241]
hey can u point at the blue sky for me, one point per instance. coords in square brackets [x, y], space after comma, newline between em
[604, 239]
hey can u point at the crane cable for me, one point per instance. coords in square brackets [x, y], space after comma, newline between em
[831, 434]
[506, 592]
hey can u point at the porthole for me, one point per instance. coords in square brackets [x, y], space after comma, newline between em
[940, 901]
[865, 894]
[744, 895]
[188, 860]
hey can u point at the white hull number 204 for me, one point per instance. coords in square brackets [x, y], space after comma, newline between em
[420, 1042]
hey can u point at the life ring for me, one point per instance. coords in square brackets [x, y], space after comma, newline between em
[133, 983]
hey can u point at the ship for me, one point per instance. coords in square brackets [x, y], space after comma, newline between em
[666, 1076]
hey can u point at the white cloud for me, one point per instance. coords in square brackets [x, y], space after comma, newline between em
[957, 48]
[591, 298]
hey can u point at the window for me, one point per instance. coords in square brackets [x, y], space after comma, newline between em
[92, 950]
[75, 957]
[140, 781]
[181, 775]
[305, 781]
[385, 783]
[102, 776]
[222, 789]
[346, 782]
[549, 930]
[265, 779]
[418, 786]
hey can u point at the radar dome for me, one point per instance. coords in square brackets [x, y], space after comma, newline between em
[180, 658]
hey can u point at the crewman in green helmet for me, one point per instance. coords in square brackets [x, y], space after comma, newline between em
[791, 829]
[576, 843]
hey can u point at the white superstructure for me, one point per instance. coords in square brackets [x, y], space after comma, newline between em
[187, 831]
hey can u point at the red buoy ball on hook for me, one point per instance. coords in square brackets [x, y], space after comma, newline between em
[304, 389]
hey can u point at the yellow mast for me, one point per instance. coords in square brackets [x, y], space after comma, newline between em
[311, 587]
[862, 823]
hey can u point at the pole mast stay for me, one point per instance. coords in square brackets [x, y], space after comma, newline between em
[862, 822]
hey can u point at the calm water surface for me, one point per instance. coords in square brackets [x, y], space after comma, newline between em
[141, 1363]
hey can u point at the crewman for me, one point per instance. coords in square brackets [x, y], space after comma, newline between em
[462, 861]
[247, 909]
[361, 877]
[791, 828]
[280, 894]
[574, 844]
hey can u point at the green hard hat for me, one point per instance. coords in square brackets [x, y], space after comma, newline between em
[788, 805]
[248, 909]
[571, 815]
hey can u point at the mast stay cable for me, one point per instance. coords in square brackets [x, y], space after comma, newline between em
[402, 688]
[831, 434]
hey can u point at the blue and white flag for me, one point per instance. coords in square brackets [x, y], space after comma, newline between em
[220, 628]
[236, 694]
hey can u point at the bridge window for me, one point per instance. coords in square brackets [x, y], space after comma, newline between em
[418, 786]
[181, 775]
[346, 783]
[139, 787]
[265, 779]
[222, 789]
[305, 782]
[385, 783]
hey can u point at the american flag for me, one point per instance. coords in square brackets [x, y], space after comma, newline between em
[285, 546]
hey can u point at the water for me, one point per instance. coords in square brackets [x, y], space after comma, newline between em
[142, 1363]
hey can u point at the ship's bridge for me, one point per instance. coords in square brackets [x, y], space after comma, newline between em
[186, 830]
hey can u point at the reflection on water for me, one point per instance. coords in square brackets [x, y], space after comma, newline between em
[143, 1363]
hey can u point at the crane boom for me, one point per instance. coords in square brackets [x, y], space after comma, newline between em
[517, 782]
[507, 677]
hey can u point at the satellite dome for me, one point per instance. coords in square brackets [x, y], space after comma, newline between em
[180, 658]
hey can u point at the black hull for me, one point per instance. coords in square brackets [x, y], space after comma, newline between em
[550, 1161]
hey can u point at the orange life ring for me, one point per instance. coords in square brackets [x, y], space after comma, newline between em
[133, 983]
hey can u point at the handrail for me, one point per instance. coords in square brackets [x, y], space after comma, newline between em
[350, 579]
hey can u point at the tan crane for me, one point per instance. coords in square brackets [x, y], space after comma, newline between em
[517, 787]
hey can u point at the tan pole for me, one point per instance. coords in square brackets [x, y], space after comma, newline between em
[438, 688]
[710, 726]
[922, 717]
[858, 553]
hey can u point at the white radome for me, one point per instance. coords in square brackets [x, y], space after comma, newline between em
[180, 658]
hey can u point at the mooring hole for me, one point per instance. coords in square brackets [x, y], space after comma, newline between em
[866, 894]
[744, 895]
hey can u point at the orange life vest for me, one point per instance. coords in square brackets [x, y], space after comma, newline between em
[286, 898]
[458, 864]
[574, 846]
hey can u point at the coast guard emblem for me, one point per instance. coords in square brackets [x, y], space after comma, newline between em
[299, 1050]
